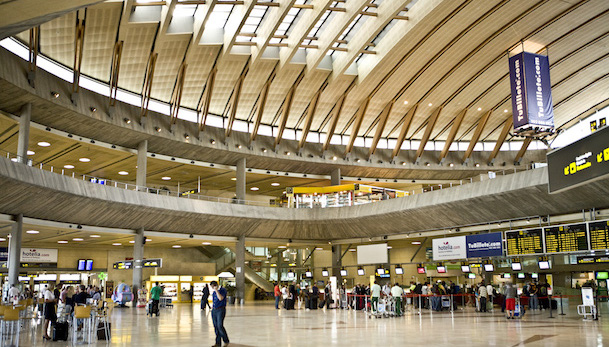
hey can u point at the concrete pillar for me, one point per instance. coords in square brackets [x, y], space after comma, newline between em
[240, 190]
[142, 160]
[138, 257]
[14, 251]
[337, 263]
[335, 177]
[24, 132]
[279, 264]
[240, 269]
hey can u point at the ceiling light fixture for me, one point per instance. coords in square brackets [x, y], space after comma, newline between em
[127, 120]
[287, 153]
[78, 239]
[254, 188]
[31, 152]
[176, 246]
[405, 102]
[206, 243]
[233, 178]
[166, 178]
[187, 137]
[479, 108]
[275, 184]
[2, 239]
[84, 160]
[212, 141]
[451, 164]
[505, 111]
[62, 241]
[32, 232]
[43, 144]
[132, 241]
[55, 95]
[123, 173]
[158, 130]
[264, 150]
[94, 236]
[430, 104]
[117, 244]
[68, 166]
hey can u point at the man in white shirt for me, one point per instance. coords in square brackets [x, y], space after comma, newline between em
[13, 293]
[397, 292]
[375, 295]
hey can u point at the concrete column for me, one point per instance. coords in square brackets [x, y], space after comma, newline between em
[279, 264]
[240, 269]
[138, 257]
[337, 263]
[142, 160]
[24, 132]
[335, 177]
[240, 190]
[14, 251]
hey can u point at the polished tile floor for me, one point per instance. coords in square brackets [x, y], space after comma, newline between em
[262, 325]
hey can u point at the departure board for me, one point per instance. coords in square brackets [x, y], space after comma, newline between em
[566, 238]
[524, 241]
[599, 235]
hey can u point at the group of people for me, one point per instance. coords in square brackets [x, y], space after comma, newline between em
[292, 296]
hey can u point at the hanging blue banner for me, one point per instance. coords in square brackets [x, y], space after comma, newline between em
[484, 245]
[531, 91]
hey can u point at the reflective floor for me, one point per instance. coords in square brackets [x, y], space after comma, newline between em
[262, 325]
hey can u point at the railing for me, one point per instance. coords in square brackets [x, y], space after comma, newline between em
[166, 192]
[225, 260]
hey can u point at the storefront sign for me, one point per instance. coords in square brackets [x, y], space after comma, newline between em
[531, 91]
[38, 255]
[484, 245]
[449, 248]
[580, 162]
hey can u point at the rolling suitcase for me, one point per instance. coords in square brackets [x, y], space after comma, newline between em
[322, 303]
[101, 332]
[60, 331]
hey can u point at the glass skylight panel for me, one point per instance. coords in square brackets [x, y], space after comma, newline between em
[219, 16]
[184, 10]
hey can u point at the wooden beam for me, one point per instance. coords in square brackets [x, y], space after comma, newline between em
[522, 151]
[357, 124]
[451, 135]
[206, 97]
[287, 105]
[269, 26]
[311, 114]
[504, 133]
[235, 23]
[476, 136]
[114, 70]
[404, 131]
[176, 96]
[380, 127]
[338, 108]
[79, 40]
[431, 123]
[146, 90]
[260, 109]
[235, 100]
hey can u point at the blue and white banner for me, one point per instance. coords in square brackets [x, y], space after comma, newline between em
[484, 245]
[531, 90]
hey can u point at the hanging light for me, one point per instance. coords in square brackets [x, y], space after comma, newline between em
[325, 273]
[361, 271]
[343, 272]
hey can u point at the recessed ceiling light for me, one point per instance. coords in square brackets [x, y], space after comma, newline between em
[282, 247]
[123, 173]
[94, 236]
[233, 178]
[319, 248]
[176, 246]
[31, 152]
[405, 102]
[505, 111]
[166, 178]
[389, 247]
[451, 164]
[2, 239]
[416, 242]
[84, 160]
[148, 240]
[132, 241]
[43, 144]
[287, 153]
[206, 243]
[14, 160]
[32, 232]
[254, 188]
[117, 244]
[430, 104]
[62, 241]
[68, 166]
[352, 250]
[78, 239]
[334, 158]
[275, 184]
[479, 108]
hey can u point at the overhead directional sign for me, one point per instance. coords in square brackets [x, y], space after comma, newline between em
[581, 162]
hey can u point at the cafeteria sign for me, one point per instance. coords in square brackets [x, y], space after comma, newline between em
[38, 255]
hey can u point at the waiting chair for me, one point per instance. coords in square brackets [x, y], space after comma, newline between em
[84, 321]
[10, 327]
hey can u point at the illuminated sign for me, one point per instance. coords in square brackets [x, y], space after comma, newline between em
[524, 241]
[580, 162]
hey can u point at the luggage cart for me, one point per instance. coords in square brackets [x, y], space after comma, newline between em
[380, 311]
[165, 302]
[445, 302]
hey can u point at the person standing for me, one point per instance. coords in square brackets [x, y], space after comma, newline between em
[205, 298]
[510, 300]
[155, 296]
[49, 310]
[218, 313]
[314, 297]
[397, 292]
[13, 294]
[277, 292]
[490, 291]
[375, 295]
[483, 297]
[191, 293]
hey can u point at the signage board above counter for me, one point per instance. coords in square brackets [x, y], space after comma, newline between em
[38, 255]
[470, 246]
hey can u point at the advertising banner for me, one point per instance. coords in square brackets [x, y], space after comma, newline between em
[484, 245]
[449, 248]
[38, 255]
[580, 162]
[531, 90]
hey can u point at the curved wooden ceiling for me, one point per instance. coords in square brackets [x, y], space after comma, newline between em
[449, 54]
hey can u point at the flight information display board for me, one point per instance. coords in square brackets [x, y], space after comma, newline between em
[524, 241]
[599, 234]
[566, 238]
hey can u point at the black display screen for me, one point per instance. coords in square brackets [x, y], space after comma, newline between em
[524, 241]
[579, 162]
[566, 238]
[599, 235]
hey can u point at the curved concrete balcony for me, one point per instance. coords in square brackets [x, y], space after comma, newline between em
[45, 195]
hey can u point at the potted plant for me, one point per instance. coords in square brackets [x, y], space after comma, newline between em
[230, 293]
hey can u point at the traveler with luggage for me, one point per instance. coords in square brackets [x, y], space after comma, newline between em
[277, 292]
[375, 295]
[49, 310]
[218, 313]
[155, 296]
[205, 298]
[397, 292]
